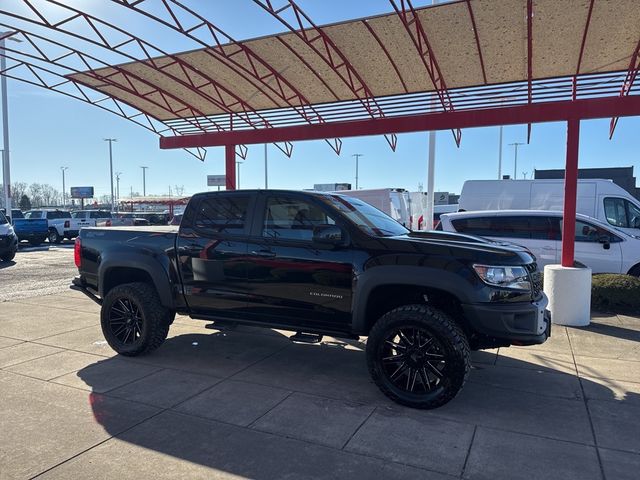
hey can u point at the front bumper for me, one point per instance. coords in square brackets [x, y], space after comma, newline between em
[517, 323]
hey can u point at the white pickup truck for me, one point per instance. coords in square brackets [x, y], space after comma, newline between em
[61, 225]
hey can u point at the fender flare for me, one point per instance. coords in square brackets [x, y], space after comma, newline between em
[138, 261]
[422, 276]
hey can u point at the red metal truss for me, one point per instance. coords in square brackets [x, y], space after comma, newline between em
[225, 99]
[409, 18]
[49, 79]
[583, 43]
[529, 60]
[632, 73]
[322, 45]
[475, 32]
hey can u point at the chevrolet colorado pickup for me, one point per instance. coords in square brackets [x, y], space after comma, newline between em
[319, 264]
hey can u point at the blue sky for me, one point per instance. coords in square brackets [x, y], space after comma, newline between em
[49, 130]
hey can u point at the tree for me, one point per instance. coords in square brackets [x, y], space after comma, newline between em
[178, 190]
[25, 203]
[18, 189]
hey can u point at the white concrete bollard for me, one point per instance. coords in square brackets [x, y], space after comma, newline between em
[569, 292]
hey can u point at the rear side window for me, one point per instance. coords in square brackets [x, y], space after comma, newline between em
[52, 215]
[100, 214]
[532, 227]
[222, 214]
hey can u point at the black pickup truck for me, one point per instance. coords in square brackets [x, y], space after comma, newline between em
[319, 264]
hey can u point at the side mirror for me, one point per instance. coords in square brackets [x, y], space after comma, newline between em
[328, 235]
[605, 241]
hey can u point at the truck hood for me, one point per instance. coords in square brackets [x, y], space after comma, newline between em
[479, 249]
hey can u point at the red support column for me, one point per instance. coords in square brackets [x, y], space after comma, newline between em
[570, 193]
[230, 166]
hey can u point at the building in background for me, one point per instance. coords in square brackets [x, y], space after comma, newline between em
[621, 176]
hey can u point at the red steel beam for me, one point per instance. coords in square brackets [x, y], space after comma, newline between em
[570, 193]
[632, 73]
[230, 166]
[475, 32]
[529, 60]
[582, 44]
[409, 18]
[489, 117]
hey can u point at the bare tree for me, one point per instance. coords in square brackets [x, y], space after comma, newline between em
[35, 193]
[18, 189]
[178, 190]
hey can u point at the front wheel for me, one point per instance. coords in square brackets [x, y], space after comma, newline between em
[133, 320]
[418, 356]
[7, 257]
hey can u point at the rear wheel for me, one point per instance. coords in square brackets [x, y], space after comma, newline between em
[133, 320]
[418, 356]
[54, 236]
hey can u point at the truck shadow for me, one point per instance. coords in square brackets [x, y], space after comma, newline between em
[8, 264]
[208, 395]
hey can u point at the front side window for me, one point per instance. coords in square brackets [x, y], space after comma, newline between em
[621, 213]
[222, 214]
[293, 219]
[589, 233]
[3, 219]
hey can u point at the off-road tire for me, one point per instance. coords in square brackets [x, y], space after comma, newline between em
[8, 256]
[449, 336]
[155, 319]
[54, 236]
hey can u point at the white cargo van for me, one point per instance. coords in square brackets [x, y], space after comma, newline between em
[392, 201]
[597, 198]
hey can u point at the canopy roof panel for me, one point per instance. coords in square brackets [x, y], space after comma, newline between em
[383, 53]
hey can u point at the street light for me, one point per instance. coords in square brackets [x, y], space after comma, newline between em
[118, 190]
[64, 188]
[238, 163]
[357, 157]
[515, 158]
[6, 170]
[111, 140]
[144, 181]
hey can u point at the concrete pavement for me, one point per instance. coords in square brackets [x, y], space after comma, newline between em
[248, 403]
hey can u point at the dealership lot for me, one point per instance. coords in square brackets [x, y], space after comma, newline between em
[249, 403]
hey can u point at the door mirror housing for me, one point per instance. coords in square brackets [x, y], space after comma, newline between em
[328, 235]
[605, 241]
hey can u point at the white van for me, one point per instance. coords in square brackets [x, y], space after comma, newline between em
[604, 248]
[597, 198]
[392, 201]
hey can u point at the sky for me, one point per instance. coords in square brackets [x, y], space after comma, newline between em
[49, 130]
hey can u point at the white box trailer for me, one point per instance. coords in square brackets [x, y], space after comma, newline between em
[597, 198]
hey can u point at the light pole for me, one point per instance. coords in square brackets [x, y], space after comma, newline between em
[64, 188]
[144, 181]
[357, 157]
[111, 140]
[238, 163]
[266, 168]
[500, 154]
[515, 158]
[118, 190]
[6, 170]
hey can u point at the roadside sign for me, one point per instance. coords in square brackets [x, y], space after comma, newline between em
[216, 180]
[81, 192]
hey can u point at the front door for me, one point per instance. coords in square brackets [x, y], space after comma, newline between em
[292, 280]
[212, 250]
[598, 248]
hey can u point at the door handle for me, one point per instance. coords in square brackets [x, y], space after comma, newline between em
[263, 253]
[191, 248]
[548, 248]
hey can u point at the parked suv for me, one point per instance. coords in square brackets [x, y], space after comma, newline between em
[603, 248]
[8, 240]
[316, 264]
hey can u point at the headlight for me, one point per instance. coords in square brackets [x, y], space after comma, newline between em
[506, 277]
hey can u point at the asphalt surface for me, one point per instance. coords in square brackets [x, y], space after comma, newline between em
[42, 270]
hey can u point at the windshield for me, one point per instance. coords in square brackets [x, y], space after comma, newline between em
[366, 217]
[3, 219]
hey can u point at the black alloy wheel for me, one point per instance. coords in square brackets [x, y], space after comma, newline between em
[125, 321]
[413, 360]
[418, 356]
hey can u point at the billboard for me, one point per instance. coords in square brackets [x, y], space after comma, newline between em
[216, 180]
[81, 192]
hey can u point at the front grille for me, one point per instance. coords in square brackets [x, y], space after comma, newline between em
[536, 279]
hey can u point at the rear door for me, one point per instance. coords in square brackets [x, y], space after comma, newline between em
[212, 253]
[291, 278]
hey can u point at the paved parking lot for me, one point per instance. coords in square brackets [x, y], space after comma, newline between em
[248, 403]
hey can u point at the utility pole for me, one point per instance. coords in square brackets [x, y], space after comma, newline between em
[6, 169]
[357, 157]
[64, 188]
[266, 168]
[144, 181]
[118, 191]
[238, 163]
[515, 158]
[500, 154]
[111, 140]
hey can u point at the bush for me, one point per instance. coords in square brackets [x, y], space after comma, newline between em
[615, 293]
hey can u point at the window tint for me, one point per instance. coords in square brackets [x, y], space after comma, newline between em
[530, 227]
[293, 219]
[100, 214]
[33, 214]
[615, 212]
[223, 213]
[3, 219]
[54, 214]
[589, 233]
